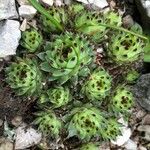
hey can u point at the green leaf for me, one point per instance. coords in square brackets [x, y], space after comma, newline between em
[43, 11]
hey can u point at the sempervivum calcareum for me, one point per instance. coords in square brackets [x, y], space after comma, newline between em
[122, 100]
[65, 57]
[31, 40]
[112, 129]
[24, 77]
[87, 22]
[59, 15]
[59, 96]
[125, 48]
[86, 122]
[98, 85]
[48, 123]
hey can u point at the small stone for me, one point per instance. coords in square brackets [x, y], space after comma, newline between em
[5, 144]
[16, 121]
[145, 132]
[130, 145]
[47, 2]
[58, 2]
[27, 11]
[128, 21]
[146, 120]
[26, 137]
[1, 122]
[9, 37]
[23, 26]
[23, 2]
[98, 3]
[142, 91]
[8, 9]
[67, 2]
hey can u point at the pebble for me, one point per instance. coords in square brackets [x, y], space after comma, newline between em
[130, 145]
[8, 9]
[98, 3]
[128, 21]
[26, 137]
[5, 144]
[47, 2]
[27, 11]
[9, 37]
[1, 122]
[23, 26]
[146, 120]
[16, 121]
[145, 132]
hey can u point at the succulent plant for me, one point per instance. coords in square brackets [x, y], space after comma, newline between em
[98, 85]
[125, 48]
[113, 18]
[89, 146]
[86, 122]
[48, 123]
[31, 40]
[24, 77]
[75, 8]
[59, 96]
[122, 100]
[132, 76]
[59, 14]
[87, 22]
[66, 57]
[112, 129]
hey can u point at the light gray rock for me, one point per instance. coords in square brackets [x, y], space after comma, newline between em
[27, 11]
[142, 91]
[9, 37]
[8, 9]
[144, 9]
[98, 3]
[23, 2]
[130, 145]
[5, 144]
[26, 137]
[47, 2]
[145, 130]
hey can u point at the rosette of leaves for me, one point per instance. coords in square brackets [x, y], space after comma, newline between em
[59, 96]
[125, 48]
[98, 85]
[122, 100]
[48, 123]
[88, 23]
[59, 15]
[113, 18]
[24, 77]
[85, 122]
[31, 40]
[66, 57]
[89, 146]
[132, 76]
[112, 129]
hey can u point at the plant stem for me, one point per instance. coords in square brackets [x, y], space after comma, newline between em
[124, 30]
[44, 12]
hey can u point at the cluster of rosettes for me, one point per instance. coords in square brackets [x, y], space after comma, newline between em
[24, 77]
[69, 55]
[98, 85]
